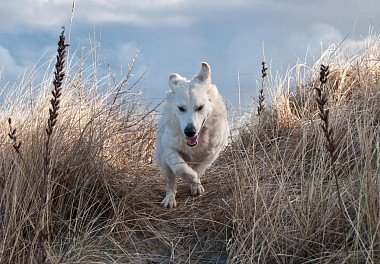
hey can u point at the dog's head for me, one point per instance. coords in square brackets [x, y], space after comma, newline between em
[191, 102]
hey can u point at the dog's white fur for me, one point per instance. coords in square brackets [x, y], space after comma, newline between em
[206, 111]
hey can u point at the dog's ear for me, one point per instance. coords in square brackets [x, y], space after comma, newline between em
[174, 79]
[204, 74]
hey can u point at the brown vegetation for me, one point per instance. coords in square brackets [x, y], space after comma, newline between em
[269, 197]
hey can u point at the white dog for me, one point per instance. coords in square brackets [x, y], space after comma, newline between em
[191, 132]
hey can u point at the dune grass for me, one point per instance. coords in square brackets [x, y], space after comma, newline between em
[270, 197]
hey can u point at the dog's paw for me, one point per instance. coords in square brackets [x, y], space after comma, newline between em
[196, 189]
[169, 202]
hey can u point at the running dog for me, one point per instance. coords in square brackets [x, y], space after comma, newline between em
[191, 132]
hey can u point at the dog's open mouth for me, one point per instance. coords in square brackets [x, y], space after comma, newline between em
[192, 141]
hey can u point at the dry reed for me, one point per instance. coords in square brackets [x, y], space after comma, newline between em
[331, 145]
[264, 73]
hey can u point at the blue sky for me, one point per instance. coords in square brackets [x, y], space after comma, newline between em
[176, 35]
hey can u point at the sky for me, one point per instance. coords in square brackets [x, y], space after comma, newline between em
[177, 35]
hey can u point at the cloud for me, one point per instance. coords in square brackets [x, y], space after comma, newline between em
[325, 33]
[313, 39]
[8, 65]
[26, 14]
[175, 35]
[50, 14]
[127, 51]
[152, 13]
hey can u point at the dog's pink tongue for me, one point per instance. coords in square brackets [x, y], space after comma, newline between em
[191, 140]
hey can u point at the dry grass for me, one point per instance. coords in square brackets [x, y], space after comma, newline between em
[267, 199]
[287, 210]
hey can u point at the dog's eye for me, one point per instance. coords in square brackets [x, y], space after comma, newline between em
[181, 109]
[200, 108]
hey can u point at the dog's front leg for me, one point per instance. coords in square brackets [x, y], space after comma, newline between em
[188, 174]
[197, 189]
[171, 188]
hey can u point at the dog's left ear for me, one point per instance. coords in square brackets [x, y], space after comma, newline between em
[174, 79]
[204, 75]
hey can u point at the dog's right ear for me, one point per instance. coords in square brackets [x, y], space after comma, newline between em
[174, 79]
[204, 75]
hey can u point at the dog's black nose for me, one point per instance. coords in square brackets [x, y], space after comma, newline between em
[190, 130]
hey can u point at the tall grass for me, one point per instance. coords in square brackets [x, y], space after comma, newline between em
[269, 196]
[284, 206]
[71, 176]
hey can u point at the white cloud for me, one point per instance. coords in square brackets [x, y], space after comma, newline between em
[314, 38]
[176, 34]
[50, 14]
[8, 65]
[145, 13]
[325, 33]
[128, 50]
[23, 14]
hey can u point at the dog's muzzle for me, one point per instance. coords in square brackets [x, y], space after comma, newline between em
[190, 132]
